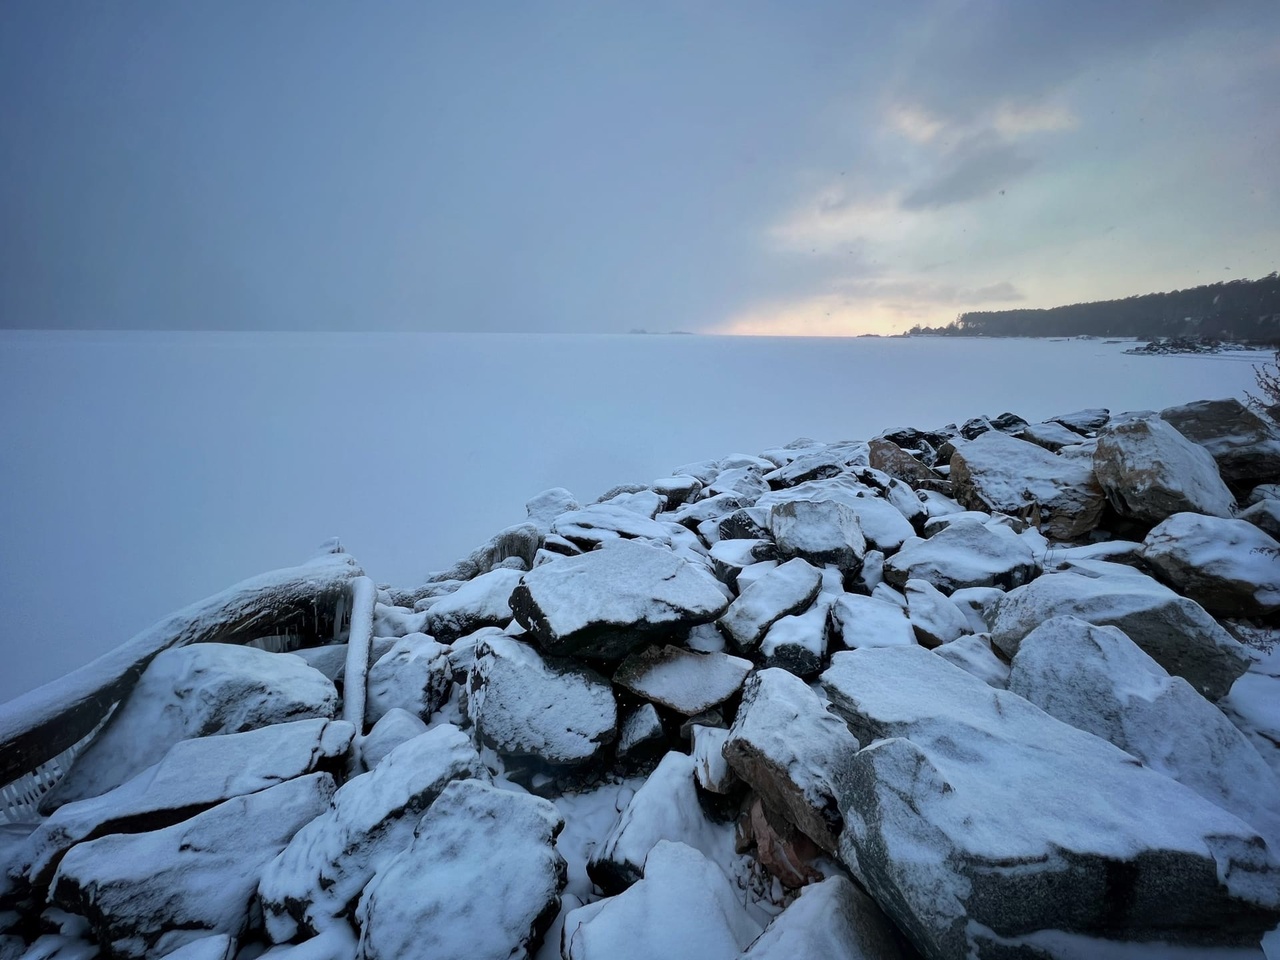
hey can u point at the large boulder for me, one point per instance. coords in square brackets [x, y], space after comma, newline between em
[966, 553]
[798, 642]
[553, 710]
[786, 589]
[974, 808]
[147, 894]
[833, 920]
[318, 877]
[791, 751]
[1245, 447]
[1000, 474]
[822, 532]
[414, 675]
[195, 691]
[681, 680]
[934, 618]
[1176, 632]
[858, 621]
[609, 601]
[1097, 679]
[1229, 567]
[480, 881]
[887, 456]
[1150, 471]
[482, 602]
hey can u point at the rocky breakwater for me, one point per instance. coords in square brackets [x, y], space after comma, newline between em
[996, 690]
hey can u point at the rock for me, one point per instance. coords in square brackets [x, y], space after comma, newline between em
[1084, 422]
[637, 498]
[974, 655]
[1265, 515]
[975, 427]
[147, 894]
[729, 557]
[1100, 681]
[790, 750]
[331, 659]
[482, 602]
[641, 733]
[607, 602]
[966, 553]
[491, 890]
[553, 710]
[749, 523]
[934, 618]
[833, 920]
[681, 680]
[194, 691]
[318, 877]
[678, 490]
[819, 464]
[414, 675]
[193, 775]
[978, 605]
[550, 504]
[664, 808]
[746, 482]
[710, 508]
[749, 575]
[684, 907]
[1177, 633]
[1264, 491]
[395, 727]
[892, 459]
[710, 768]
[798, 643]
[393, 621]
[1229, 567]
[998, 473]
[604, 522]
[859, 621]
[1150, 471]
[776, 845]
[705, 638]
[821, 532]
[1245, 447]
[1052, 436]
[786, 589]
[518, 544]
[972, 806]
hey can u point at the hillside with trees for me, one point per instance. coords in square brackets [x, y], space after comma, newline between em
[1241, 310]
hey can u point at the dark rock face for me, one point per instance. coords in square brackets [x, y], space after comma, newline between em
[892, 459]
[1229, 567]
[1245, 447]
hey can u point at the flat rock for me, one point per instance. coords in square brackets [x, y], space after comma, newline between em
[965, 553]
[859, 621]
[1150, 471]
[491, 890]
[1176, 632]
[147, 894]
[821, 532]
[482, 602]
[602, 522]
[934, 618]
[973, 806]
[1085, 422]
[786, 589]
[999, 473]
[414, 675]
[317, 878]
[790, 750]
[682, 680]
[609, 601]
[525, 706]
[1098, 680]
[833, 920]
[1051, 435]
[194, 691]
[1229, 567]
[1245, 447]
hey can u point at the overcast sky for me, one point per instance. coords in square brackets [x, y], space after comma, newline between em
[719, 167]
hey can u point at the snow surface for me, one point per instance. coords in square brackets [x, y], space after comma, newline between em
[687, 682]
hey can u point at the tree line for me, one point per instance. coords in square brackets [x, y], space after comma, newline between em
[1241, 310]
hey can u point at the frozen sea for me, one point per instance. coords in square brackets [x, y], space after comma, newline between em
[143, 471]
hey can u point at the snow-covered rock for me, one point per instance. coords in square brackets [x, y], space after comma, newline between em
[833, 920]
[641, 733]
[684, 909]
[194, 691]
[1097, 679]
[934, 618]
[790, 750]
[1245, 447]
[609, 601]
[394, 728]
[543, 509]
[710, 768]
[682, 680]
[798, 642]
[1229, 567]
[998, 473]
[414, 675]
[730, 557]
[882, 524]
[1084, 422]
[887, 456]
[482, 602]
[677, 490]
[1265, 515]
[1176, 632]
[192, 776]
[965, 553]
[1150, 471]
[1051, 435]
[784, 590]
[859, 621]
[746, 482]
[973, 806]
[710, 508]
[147, 894]
[821, 532]
[665, 808]
[318, 877]
[525, 706]
[818, 464]
[480, 881]
[974, 654]
[602, 522]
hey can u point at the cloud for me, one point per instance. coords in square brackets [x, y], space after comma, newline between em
[914, 122]
[980, 167]
[1015, 120]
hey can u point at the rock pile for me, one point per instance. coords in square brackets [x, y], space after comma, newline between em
[1001, 690]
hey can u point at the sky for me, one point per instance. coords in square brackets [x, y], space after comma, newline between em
[744, 168]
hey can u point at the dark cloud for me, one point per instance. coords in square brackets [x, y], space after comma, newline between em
[978, 168]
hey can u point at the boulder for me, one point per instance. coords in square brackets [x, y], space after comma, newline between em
[746, 482]
[821, 532]
[543, 509]
[1053, 436]
[147, 894]
[482, 602]
[833, 920]
[798, 642]
[729, 557]
[1085, 422]
[395, 727]
[786, 589]
[317, 878]
[882, 522]
[934, 618]
[791, 751]
[820, 464]
[710, 508]
[965, 553]
[859, 621]
[491, 889]
[194, 691]
[1098, 680]
[887, 456]
[678, 491]
[641, 734]
[1229, 567]
[971, 806]
[414, 675]
[609, 601]
[1150, 471]
[974, 655]
[553, 710]
[682, 680]
[1265, 515]
[710, 768]
[1176, 632]
[1245, 446]
[1001, 474]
